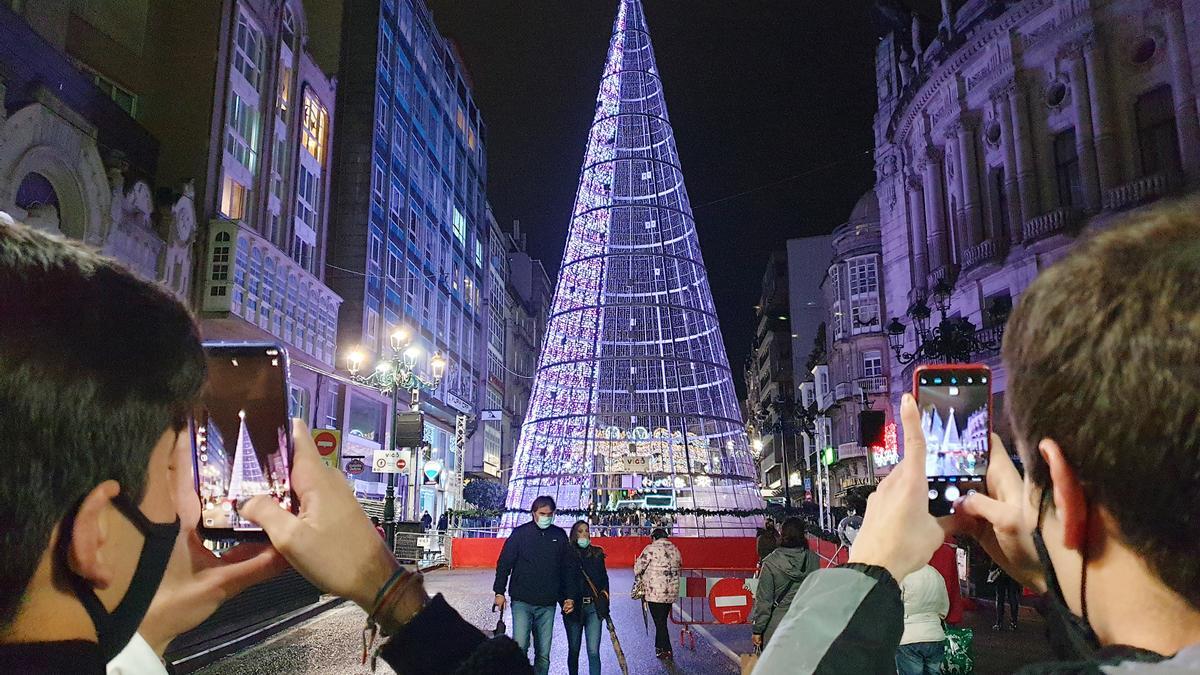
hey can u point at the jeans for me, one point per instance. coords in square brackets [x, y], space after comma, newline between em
[660, 611]
[588, 619]
[538, 620]
[920, 658]
[1007, 591]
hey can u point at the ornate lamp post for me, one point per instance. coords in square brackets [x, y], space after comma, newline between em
[953, 339]
[390, 377]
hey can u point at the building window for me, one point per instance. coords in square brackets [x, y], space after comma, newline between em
[378, 180]
[376, 251]
[396, 204]
[872, 363]
[864, 294]
[460, 227]
[298, 402]
[999, 199]
[393, 266]
[385, 52]
[220, 257]
[839, 319]
[1066, 169]
[372, 325]
[316, 127]
[1158, 139]
[234, 196]
[120, 95]
[242, 132]
[247, 52]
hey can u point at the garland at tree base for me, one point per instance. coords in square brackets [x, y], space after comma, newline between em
[592, 514]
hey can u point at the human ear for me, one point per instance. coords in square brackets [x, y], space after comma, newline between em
[89, 533]
[1070, 502]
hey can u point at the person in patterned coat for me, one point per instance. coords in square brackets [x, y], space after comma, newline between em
[657, 570]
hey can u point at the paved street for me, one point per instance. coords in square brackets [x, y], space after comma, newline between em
[331, 643]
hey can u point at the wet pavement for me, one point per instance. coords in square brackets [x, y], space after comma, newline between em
[331, 642]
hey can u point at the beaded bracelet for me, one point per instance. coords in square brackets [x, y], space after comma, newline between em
[381, 597]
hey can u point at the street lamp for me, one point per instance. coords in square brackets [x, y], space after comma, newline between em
[953, 339]
[390, 377]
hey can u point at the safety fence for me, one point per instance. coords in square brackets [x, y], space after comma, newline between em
[708, 597]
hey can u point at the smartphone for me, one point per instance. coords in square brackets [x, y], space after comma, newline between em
[955, 401]
[242, 436]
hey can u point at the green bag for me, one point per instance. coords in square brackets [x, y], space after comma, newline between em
[959, 658]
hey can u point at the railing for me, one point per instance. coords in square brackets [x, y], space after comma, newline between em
[1135, 192]
[850, 451]
[983, 252]
[873, 385]
[1049, 223]
[825, 401]
[842, 391]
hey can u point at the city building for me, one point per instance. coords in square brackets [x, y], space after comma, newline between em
[76, 156]
[410, 233]
[856, 362]
[1006, 135]
[484, 459]
[633, 406]
[529, 291]
[770, 388]
[807, 260]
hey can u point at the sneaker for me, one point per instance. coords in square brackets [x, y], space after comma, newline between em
[997, 627]
[1013, 626]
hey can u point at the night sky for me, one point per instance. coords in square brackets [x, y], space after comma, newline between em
[771, 103]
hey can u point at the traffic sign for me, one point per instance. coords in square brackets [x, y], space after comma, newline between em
[390, 461]
[355, 466]
[328, 442]
[730, 601]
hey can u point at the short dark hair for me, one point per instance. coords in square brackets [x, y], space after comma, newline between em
[95, 364]
[544, 500]
[1103, 356]
[658, 533]
[792, 534]
[375, 520]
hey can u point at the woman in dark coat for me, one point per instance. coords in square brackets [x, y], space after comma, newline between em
[589, 589]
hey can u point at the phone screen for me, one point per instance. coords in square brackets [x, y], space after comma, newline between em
[242, 435]
[955, 406]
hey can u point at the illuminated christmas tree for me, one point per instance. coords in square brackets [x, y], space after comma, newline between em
[248, 479]
[633, 405]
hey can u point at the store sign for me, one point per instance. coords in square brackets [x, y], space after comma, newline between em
[355, 466]
[889, 454]
[491, 415]
[458, 404]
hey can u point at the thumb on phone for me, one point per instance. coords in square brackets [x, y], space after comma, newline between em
[278, 523]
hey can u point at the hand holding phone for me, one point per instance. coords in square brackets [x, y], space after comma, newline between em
[955, 404]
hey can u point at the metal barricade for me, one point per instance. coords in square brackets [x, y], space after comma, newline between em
[709, 597]
[423, 549]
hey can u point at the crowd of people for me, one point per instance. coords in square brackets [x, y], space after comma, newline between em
[99, 371]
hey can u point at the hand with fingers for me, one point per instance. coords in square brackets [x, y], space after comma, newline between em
[996, 521]
[898, 533]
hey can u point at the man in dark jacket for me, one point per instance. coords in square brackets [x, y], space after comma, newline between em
[1103, 397]
[530, 568]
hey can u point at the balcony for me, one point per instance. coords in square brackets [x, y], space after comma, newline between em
[1135, 192]
[983, 335]
[947, 273]
[850, 451]
[872, 385]
[992, 250]
[1058, 220]
[842, 391]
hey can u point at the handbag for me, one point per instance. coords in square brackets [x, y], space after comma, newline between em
[959, 654]
[638, 592]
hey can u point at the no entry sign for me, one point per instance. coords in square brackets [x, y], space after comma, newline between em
[729, 601]
[328, 442]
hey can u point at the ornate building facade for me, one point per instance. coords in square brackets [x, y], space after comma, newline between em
[1010, 132]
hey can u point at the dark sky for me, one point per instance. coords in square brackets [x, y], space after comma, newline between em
[758, 92]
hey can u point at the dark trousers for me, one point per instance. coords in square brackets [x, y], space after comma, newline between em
[1008, 592]
[660, 611]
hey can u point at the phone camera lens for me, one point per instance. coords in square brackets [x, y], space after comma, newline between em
[954, 380]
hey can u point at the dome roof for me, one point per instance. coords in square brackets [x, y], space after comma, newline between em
[866, 209]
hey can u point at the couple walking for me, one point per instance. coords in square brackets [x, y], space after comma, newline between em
[541, 566]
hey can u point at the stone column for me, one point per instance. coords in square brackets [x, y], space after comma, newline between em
[1181, 88]
[1108, 165]
[1011, 188]
[917, 229]
[1083, 133]
[930, 165]
[1027, 184]
[969, 177]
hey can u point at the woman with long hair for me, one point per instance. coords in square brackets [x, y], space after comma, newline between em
[783, 570]
[590, 593]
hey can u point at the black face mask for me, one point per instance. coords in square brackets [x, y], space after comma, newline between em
[1076, 632]
[116, 628]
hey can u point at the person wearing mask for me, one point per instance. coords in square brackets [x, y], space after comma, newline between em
[533, 568]
[590, 593]
[426, 521]
[442, 522]
[925, 606]
[767, 541]
[1008, 592]
[657, 569]
[96, 549]
[1104, 523]
[782, 573]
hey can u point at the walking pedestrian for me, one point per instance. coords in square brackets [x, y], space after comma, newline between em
[379, 528]
[589, 590]
[443, 521]
[531, 568]
[783, 571]
[657, 569]
[1008, 592]
[926, 604]
[426, 521]
[767, 541]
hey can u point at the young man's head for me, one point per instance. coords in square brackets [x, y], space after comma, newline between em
[98, 372]
[542, 511]
[1103, 361]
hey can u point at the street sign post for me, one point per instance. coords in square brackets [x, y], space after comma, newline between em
[329, 445]
[390, 461]
[730, 601]
[355, 466]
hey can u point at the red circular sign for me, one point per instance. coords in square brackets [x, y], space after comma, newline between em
[326, 443]
[355, 467]
[729, 601]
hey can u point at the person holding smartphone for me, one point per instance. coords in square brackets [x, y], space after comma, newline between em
[1103, 396]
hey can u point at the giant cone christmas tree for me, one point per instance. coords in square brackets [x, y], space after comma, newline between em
[633, 406]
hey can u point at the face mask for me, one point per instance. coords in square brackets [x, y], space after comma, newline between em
[544, 521]
[116, 628]
[583, 542]
[1079, 636]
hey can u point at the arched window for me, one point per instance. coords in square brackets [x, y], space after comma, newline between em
[253, 284]
[268, 286]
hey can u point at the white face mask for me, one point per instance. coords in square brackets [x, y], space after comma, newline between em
[544, 521]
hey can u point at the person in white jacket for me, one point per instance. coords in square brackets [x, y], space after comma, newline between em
[926, 604]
